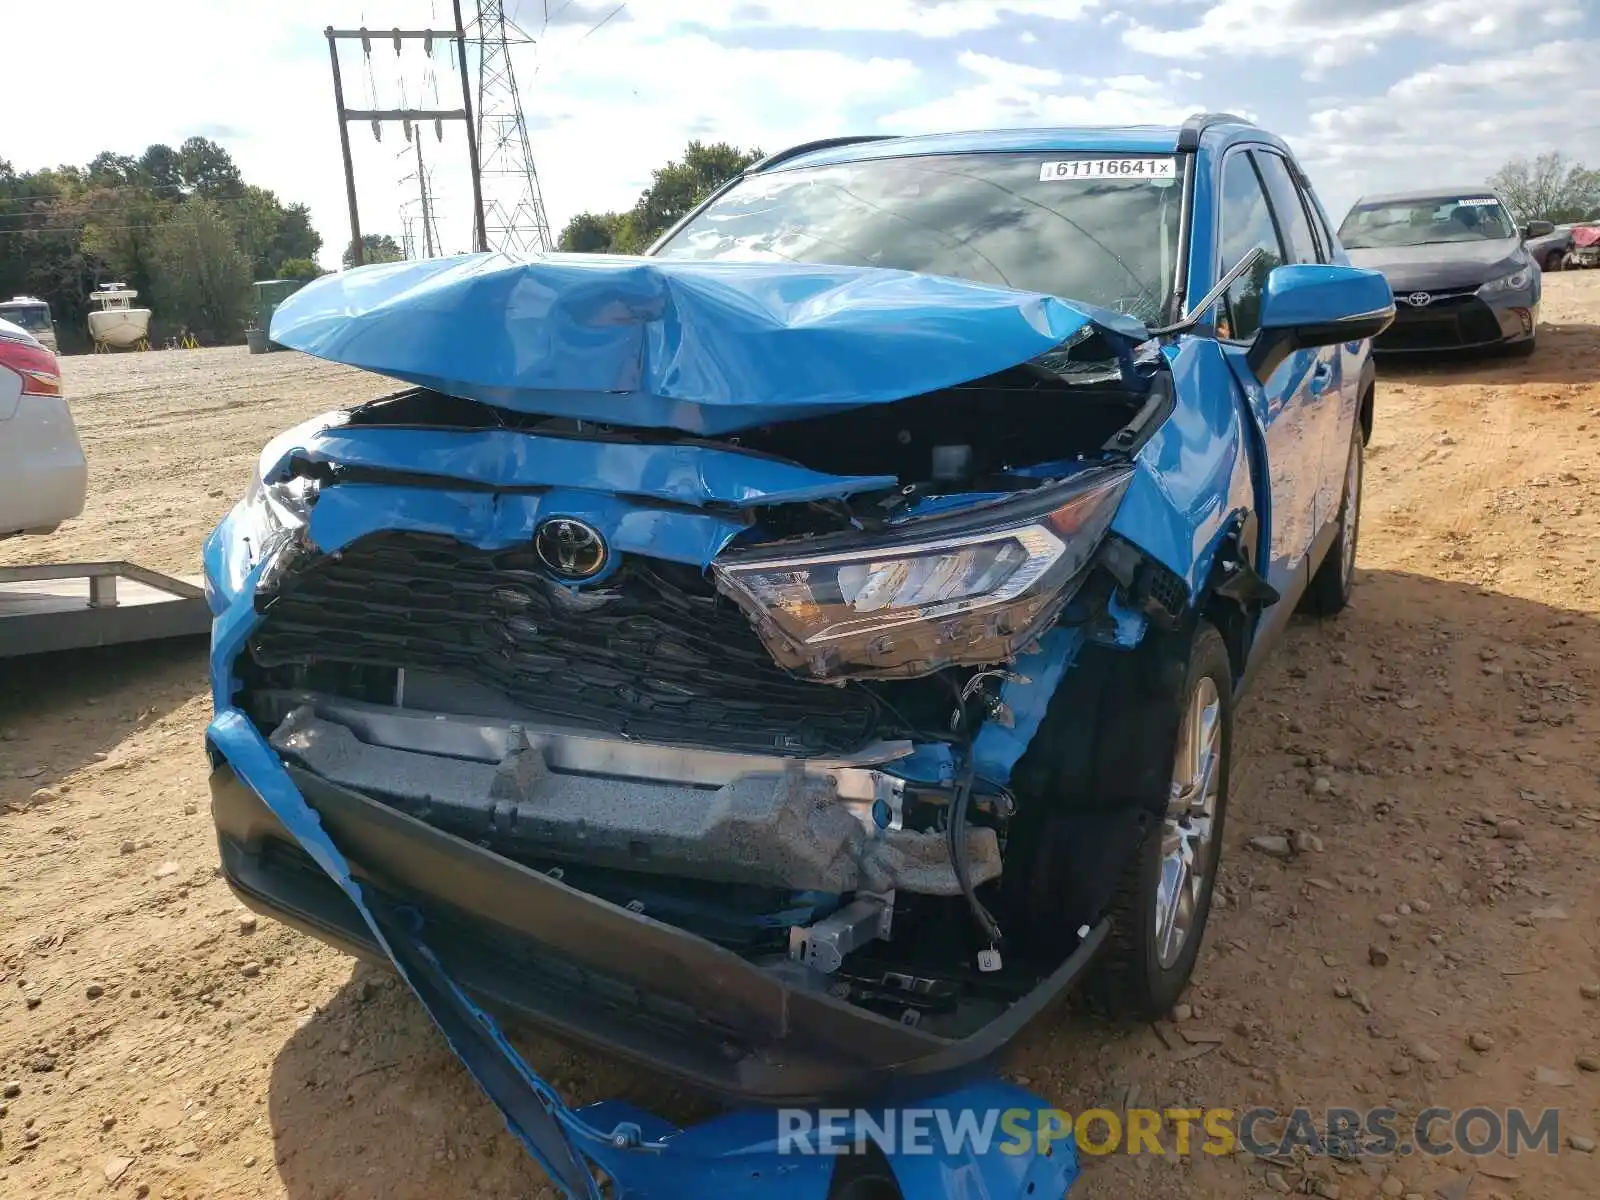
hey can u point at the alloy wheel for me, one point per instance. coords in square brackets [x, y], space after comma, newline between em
[1188, 830]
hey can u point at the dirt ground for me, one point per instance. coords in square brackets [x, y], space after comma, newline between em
[153, 1043]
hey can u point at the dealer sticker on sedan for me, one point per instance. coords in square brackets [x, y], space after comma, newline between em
[1108, 168]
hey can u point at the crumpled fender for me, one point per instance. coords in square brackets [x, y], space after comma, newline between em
[706, 347]
[1192, 479]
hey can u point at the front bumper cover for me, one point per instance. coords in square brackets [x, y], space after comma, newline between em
[521, 942]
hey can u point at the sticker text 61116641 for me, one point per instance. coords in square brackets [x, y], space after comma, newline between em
[1108, 168]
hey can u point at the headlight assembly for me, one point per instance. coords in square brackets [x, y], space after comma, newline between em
[970, 588]
[1514, 282]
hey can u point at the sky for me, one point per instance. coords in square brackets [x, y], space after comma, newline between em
[1374, 95]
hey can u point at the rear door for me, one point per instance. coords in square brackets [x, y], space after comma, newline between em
[1287, 408]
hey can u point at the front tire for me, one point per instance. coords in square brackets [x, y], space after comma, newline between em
[1553, 261]
[1163, 899]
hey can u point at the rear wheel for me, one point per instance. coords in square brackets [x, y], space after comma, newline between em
[1159, 911]
[1331, 585]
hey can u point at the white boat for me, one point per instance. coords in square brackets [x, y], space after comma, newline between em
[116, 324]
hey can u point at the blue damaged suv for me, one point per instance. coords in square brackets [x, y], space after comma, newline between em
[794, 657]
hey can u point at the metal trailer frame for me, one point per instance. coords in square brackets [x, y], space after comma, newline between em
[73, 606]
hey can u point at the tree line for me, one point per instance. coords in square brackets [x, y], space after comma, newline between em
[180, 225]
[673, 192]
[1551, 187]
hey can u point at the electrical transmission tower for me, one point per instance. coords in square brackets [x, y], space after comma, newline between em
[513, 206]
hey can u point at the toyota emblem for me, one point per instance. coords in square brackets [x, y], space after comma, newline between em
[1419, 299]
[571, 549]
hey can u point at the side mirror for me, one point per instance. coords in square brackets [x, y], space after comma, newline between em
[1537, 229]
[1318, 305]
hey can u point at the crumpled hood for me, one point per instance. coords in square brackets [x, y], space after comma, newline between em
[1442, 264]
[705, 347]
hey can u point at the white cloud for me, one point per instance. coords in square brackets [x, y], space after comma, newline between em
[1328, 35]
[926, 18]
[999, 71]
[1457, 123]
[998, 100]
[633, 110]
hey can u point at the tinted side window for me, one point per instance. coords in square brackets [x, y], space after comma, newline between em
[1246, 223]
[1290, 209]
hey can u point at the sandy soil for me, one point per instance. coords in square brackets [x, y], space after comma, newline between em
[160, 1046]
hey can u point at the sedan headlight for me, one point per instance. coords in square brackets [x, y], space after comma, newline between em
[1513, 282]
[970, 588]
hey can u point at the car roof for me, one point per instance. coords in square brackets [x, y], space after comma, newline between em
[1214, 131]
[1433, 193]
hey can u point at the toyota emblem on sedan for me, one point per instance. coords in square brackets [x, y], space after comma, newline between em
[1419, 299]
[572, 549]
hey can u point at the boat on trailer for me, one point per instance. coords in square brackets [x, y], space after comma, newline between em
[116, 324]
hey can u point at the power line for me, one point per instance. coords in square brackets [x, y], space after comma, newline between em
[514, 214]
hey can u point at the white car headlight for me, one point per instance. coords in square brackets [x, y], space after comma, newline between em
[1513, 282]
[969, 588]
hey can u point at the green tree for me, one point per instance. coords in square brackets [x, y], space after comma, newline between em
[299, 268]
[591, 233]
[1551, 187]
[375, 248]
[200, 277]
[208, 170]
[673, 192]
[159, 166]
[680, 185]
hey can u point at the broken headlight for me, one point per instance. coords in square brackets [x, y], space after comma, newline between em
[270, 518]
[966, 588]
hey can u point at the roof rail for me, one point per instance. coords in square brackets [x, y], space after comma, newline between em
[782, 156]
[1194, 128]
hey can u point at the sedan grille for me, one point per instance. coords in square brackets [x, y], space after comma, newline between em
[652, 653]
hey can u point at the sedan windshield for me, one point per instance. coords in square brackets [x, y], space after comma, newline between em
[1095, 229]
[1424, 222]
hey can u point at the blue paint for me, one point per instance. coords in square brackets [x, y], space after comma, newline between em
[1125, 139]
[1127, 625]
[998, 748]
[1322, 295]
[737, 1155]
[707, 347]
[495, 521]
[1191, 477]
[503, 458]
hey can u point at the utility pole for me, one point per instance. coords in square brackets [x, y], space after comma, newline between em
[427, 199]
[515, 218]
[457, 37]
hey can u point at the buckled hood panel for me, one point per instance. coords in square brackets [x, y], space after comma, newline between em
[705, 347]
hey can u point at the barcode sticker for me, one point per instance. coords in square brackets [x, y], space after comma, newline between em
[1478, 202]
[1108, 168]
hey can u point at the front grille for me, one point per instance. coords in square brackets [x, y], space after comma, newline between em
[653, 653]
[1450, 321]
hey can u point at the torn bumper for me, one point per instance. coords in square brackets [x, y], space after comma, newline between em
[530, 946]
[740, 1154]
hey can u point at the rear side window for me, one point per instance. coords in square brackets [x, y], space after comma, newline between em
[1246, 223]
[1290, 207]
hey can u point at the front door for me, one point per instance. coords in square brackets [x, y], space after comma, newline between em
[1290, 408]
